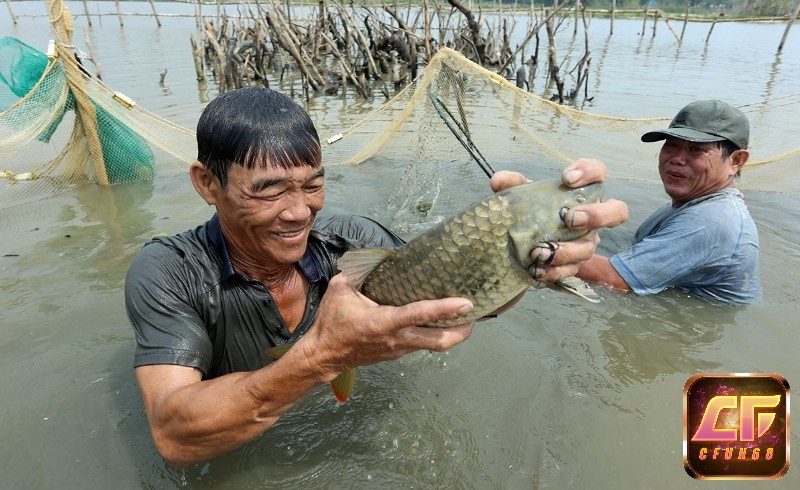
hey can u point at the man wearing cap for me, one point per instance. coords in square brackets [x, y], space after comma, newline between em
[705, 241]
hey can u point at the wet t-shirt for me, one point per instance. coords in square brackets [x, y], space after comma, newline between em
[189, 307]
[707, 246]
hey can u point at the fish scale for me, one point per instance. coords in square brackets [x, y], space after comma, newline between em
[482, 253]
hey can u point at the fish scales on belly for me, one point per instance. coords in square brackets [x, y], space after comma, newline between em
[482, 254]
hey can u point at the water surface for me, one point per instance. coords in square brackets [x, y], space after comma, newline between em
[556, 393]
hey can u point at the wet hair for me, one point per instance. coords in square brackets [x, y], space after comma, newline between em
[255, 127]
[727, 148]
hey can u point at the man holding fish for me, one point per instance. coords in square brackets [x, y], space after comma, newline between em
[705, 241]
[207, 304]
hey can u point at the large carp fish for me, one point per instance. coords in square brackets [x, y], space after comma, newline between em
[482, 254]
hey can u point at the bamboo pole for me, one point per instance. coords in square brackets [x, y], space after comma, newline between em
[711, 29]
[655, 21]
[119, 14]
[613, 14]
[198, 17]
[789, 25]
[644, 21]
[86, 11]
[92, 58]
[153, 5]
[63, 28]
[666, 21]
[11, 12]
[685, 21]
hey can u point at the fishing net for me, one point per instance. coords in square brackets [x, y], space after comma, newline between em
[410, 139]
[59, 127]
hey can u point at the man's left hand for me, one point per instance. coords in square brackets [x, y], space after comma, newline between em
[563, 259]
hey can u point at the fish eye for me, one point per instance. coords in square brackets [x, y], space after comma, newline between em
[580, 197]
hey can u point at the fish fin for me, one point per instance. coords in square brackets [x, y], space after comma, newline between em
[507, 306]
[522, 236]
[358, 264]
[576, 286]
[343, 385]
[279, 350]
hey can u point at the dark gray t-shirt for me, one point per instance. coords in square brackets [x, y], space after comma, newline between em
[189, 307]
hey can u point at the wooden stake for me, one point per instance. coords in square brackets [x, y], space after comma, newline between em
[655, 21]
[86, 11]
[197, 54]
[666, 21]
[92, 58]
[552, 59]
[712, 28]
[789, 25]
[13, 17]
[644, 21]
[153, 5]
[685, 21]
[119, 14]
[613, 14]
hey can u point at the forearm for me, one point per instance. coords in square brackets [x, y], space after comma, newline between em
[203, 419]
[598, 269]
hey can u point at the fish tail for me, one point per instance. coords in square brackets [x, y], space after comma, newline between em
[342, 385]
[279, 350]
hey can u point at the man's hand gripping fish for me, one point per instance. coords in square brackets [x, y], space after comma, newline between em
[482, 254]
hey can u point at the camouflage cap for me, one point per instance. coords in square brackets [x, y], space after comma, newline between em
[706, 121]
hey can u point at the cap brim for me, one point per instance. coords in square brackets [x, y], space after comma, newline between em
[681, 133]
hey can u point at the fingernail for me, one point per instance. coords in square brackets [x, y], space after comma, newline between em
[538, 273]
[579, 219]
[464, 309]
[541, 254]
[572, 176]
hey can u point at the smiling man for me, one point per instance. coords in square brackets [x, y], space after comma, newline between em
[208, 303]
[704, 241]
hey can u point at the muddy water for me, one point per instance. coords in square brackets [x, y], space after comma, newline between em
[556, 393]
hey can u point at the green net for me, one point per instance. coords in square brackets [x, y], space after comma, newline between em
[61, 127]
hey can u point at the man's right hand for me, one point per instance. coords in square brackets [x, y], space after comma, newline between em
[351, 330]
